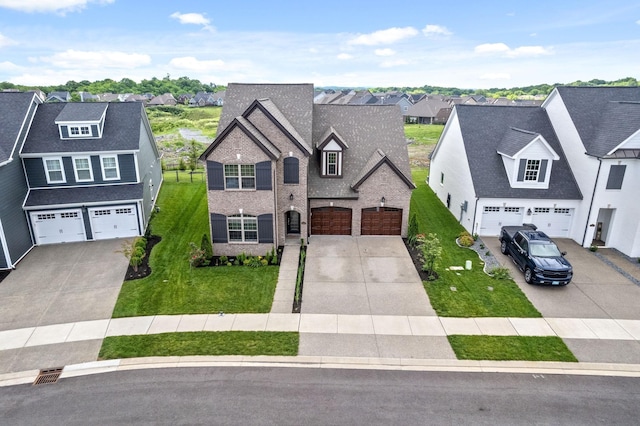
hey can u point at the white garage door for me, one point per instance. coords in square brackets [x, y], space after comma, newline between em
[495, 217]
[114, 222]
[58, 226]
[553, 222]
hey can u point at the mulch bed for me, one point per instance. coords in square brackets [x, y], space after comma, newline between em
[417, 262]
[215, 260]
[144, 269]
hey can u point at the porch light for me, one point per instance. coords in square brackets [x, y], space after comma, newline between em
[240, 210]
[529, 212]
[382, 200]
[291, 197]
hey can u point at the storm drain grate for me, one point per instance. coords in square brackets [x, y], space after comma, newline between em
[50, 375]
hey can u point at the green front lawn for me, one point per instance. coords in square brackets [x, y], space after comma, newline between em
[427, 134]
[472, 296]
[511, 348]
[173, 286]
[200, 343]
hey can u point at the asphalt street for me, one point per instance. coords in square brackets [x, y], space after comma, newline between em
[295, 396]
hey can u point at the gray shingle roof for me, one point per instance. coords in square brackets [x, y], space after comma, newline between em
[427, 108]
[294, 101]
[484, 127]
[267, 145]
[366, 129]
[586, 106]
[514, 140]
[74, 111]
[13, 110]
[280, 118]
[619, 121]
[121, 130]
[84, 195]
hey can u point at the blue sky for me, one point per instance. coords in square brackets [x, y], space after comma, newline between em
[472, 44]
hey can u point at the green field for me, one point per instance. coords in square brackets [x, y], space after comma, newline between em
[168, 119]
[423, 134]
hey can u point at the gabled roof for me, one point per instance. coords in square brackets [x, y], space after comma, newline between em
[515, 140]
[427, 107]
[483, 128]
[251, 131]
[13, 112]
[121, 132]
[294, 101]
[76, 112]
[330, 134]
[367, 129]
[586, 106]
[620, 120]
[377, 159]
[83, 195]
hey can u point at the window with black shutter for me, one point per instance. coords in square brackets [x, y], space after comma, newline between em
[616, 176]
[263, 175]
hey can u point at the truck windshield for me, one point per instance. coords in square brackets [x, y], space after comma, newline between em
[544, 250]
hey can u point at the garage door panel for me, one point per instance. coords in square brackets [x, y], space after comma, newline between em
[495, 217]
[554, 222]
[58, 226]
[114, 222]
[330, 221]
[381, 221]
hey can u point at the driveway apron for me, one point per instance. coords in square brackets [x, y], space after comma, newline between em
[57, 284]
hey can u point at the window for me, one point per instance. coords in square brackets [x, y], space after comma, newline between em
[441, 178]
[242, 228]
[79, 131]
[512, 209]
[541, 209]
[291, 170]
[332, 163]
[491, 209]
[240, 176]
[82, 169]
[54, 170]
[110, 169]
[532, 170]
[616, 176]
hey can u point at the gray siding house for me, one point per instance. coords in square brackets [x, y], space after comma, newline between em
[16, 112]
[93, 172]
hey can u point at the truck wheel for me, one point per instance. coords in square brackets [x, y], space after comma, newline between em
[503, 247]
[528, 276]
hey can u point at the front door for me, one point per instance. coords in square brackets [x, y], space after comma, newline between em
[293, 222]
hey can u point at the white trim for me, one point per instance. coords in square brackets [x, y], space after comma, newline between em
[239, 176]
[117, 166]
[78, 205]
[71, 153]
[242, 218]
[46, 170]
[75, 169]
[135, 163]
[635, 135]
[5, 247]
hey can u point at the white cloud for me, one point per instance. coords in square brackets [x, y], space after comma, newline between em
[45, 6]
[193, 64]
[9, 66]
[6, 41]
[503, 49]
[496, 76]
[191, 18]
[436, 31]
[384, 52]
[344, 56]
[388, 36]
[391, 64]
[97, 59]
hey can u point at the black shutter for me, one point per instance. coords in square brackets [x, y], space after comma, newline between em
[64, 131]
[215, 176]
[265, 228]
[543, 170]
[291, 170]
[94, 130]
[218, 228]
[616, 176]
[523, 167]
[263, 176]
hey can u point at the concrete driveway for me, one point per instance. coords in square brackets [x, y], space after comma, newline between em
[362, 276]
[56, 284]
[596, 291]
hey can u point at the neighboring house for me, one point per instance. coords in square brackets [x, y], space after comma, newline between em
[202, 99]
[109, 97]
[427, 111]
[218, 97]
[93, 172]
[570, 167]
[16, 112]
[396, 99]
[281, 166]
[88, 97]
[58, 97]
[165, 99]
[184, 98]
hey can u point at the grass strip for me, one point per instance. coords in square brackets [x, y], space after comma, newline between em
[200, 343]
[511, 348]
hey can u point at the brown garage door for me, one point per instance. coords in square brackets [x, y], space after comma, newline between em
[331, 221]
[381, 221]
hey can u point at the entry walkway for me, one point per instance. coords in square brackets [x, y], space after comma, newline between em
[566, 328]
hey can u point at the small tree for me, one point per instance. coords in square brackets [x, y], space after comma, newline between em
[196, 255]
[412, 232]
[194, 153]
[182, 166]
[431, 250]
[206, 247]
[134, 250]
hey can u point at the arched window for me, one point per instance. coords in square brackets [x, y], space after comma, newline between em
[242, 228]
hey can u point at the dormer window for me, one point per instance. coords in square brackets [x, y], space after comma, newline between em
[79, 131]
[82, 120]
[331, 160]
[331, 147]
[531, 171]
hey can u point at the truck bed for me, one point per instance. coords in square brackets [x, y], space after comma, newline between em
[511, 230]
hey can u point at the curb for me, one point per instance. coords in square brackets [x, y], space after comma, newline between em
[393, 364]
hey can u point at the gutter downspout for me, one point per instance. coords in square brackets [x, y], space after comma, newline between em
[475, 211]
[584, 237]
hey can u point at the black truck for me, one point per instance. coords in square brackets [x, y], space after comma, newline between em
[536, 255]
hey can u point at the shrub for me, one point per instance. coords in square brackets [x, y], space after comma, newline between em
[501, 273]
[412, 231]
[430, 250]
[224, 259]
[196, 255]
[466, 240]
[135, 251]
[182, 166]
[241, 258]
[593, 248]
